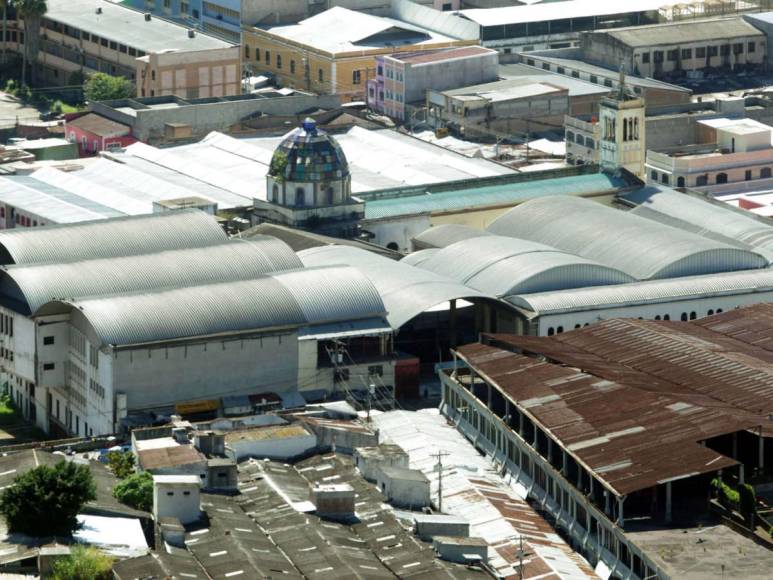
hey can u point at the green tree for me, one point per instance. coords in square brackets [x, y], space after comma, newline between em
[31, 12]
[122, 463]
[83, 563]
[46, 500]
[103, 87]
[136, 491]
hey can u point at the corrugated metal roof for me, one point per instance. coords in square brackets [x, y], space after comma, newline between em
[703, 216]
[630, 399]
[637, 246]
[683, 32]
[110, 238]
[405, 290]
[39, 188]
[417, 258]
[493, 195]
[48, 208]
[501, 266]
[30, 286]
[445, 235]
[650, 292]
[269, 301]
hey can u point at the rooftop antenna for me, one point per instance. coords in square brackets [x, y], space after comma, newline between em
[440, 455]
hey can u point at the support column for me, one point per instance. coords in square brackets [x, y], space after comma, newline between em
[452, 324]
[563, 462]
[668, 502]
[606, 502]
[620, 517]
[761, 454]
[741, 474]
[520, 424]
[590, 491]
[507, 412]
[550, 450]
[488, 395]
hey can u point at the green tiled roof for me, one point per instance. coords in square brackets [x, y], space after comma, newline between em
[493, 195]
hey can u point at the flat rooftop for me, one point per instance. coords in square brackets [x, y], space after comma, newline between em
[683, 32]
[442, 55]
[126, 26]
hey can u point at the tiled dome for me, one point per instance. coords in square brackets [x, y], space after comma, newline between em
[309, 155]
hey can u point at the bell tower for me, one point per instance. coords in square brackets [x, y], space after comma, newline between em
[623, 143]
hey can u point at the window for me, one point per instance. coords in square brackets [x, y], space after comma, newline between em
[680, 181]
[710, 312]
[686, 53]
[561, 70]
[658, 56]
[247, 51]
[693, 316]
[719, 311]
[724, 50]
[672, 55]
[292, 67]
[551, 331]
[654, 175]
[765, 173]
[279, 61]
[721, 178]
[275, 193]
[576, 74]
[47, 340]
[713, 51]
[608, 83]
[664, 179]
[380, 71]
[184, 8]
[49, 366]
[321, 76]
[257, 54]
[300, 197]
[545, 66]
[330, 196]
[186, 493]
[170, 493]
[594, 79]
[738, 48]
[113, 45]
[267, 56]
[748, 175]
[103, 42]
[751, 47]
[645, 58]
[666, 317]
[559, 330]
[702, 180]
[569, 136]
[684, 317]
[356, 77]
[657, 317]
[700, 52]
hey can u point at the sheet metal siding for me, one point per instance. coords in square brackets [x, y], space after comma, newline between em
[198, 311]
[446, 234]
[261, 303]
[720, 219]
[418, 258]
[650, 292]
[233, 260]
[501, 266]
[111, 238]
[333, 294]
[637, 246]
[406, 291]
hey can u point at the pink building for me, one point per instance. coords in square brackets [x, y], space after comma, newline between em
[94, 133]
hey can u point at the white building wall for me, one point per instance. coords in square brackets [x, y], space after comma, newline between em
[701, 307]
[163, 375]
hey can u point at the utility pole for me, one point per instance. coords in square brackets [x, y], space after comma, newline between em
[440, 455]
[520, 557]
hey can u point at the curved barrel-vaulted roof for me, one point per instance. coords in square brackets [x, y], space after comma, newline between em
[445, 235]
[405, 290]
[109, 238]
[639, 247]
[501, 266]
[299, 298]
[703, 216]
[417, 258]
[26, 288]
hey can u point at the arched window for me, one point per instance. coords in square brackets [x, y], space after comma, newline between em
[693, 316]
[300, 196]
[666, 317]
[551, 331]
[702, 180]
[765, 173]
[576, 326]
[680, 181]
[393, 246]
[329, 196]
[684, 317]
[657, 317]
[721, 177]
[247, 52]
[653, 175]
[580, 140]
[719, 311]
[559, 330]
[275, 193]
[569, 136]
[279, 61]
[710, 312]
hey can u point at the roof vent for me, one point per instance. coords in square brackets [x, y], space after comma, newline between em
[99, 10]
[147, 17]
[191, 33]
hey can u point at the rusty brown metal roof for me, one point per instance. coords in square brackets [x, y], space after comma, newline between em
[632, 399]
[166, 457]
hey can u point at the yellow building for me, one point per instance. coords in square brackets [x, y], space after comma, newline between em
[334, 52]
